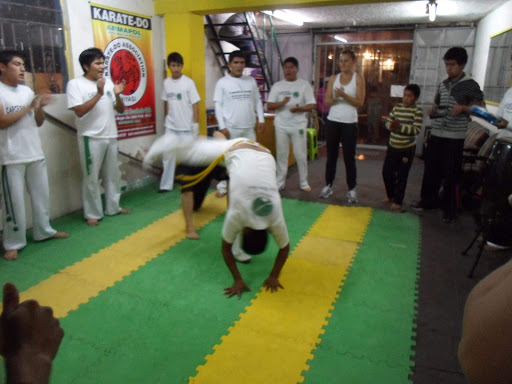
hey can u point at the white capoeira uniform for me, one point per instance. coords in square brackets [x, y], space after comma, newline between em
[23, 161]
[237, 102]
[97, 147]
[254, 199]
[291, 126]
[180, 95]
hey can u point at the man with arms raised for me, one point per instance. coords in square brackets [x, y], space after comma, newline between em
[22, 157]
[93, 98]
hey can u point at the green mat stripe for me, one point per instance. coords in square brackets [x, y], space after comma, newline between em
[158, 324]
[39, 260]
[369, 337]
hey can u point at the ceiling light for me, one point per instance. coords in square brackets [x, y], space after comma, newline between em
[287, 16]
[432, 10]
[330, 56]
[339, 38]
[367, 55]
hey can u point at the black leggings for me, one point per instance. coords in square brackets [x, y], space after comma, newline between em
[396, 171]
[347, 135]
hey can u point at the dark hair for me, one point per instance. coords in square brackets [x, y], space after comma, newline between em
[292, 60]
[458, 54]
[349, 52]
[9, 54]
[236, 54]
[88, 56]
[414, 88]
[254, 241]
[174, 57]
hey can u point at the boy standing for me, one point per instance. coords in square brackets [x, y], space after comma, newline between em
[443, 158]
[22, 157]
[182, 105]
[292, 98]
[237, 102]
[93, 98]
[404, 122]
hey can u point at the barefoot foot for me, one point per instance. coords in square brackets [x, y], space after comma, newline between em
[125, 211]
[92, 222]
[396, 207]
[192, 235]
[11, 254]
[60, 235]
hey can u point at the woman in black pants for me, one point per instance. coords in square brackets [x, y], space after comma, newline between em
[345, 93]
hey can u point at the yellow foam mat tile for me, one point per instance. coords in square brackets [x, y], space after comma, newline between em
[283, 328]
[323, 250]
[78, 283]
[343, 223]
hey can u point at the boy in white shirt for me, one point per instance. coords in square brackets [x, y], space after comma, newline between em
[291, 98]
[182, 105]
[22, 157]
[93, 98]
[237, 102]
[254, 205]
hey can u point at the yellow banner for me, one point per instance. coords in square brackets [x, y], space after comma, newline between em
[126, 41]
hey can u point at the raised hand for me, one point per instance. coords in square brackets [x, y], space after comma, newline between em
[101, 85]
[119, 87]
[28, 330]
[395, 125]
[45, 99]
[339, 92]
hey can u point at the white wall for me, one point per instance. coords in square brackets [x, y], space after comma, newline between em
[497, 21]
[59, 144]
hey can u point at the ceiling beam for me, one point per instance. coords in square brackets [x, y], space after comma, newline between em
[206, 7]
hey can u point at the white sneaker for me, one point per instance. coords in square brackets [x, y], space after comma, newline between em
[326, 192]
[352, 196]
[242, 257]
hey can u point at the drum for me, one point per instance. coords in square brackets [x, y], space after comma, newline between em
[498, 176]
[497, 187]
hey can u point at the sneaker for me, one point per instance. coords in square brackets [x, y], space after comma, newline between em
[418, 207]
[242, 257]
[352, 196]
[326, 192]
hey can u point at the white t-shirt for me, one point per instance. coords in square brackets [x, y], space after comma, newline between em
[505, 111]
[254, 199]
[20, 142]
[300, 93]
[180, 95]
[100, 121]
[239, 98]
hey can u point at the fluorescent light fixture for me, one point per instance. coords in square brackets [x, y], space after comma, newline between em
[287, 16]
[432, 10]
[339, 38]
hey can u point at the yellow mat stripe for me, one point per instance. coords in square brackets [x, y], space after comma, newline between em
[78, 283]
[273, 339]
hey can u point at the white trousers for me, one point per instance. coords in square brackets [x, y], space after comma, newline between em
[14, 177]
[98, 157]
[169, 161]
[235, 133]
[299, 142]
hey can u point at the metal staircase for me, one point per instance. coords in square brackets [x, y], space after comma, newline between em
[255, 35]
